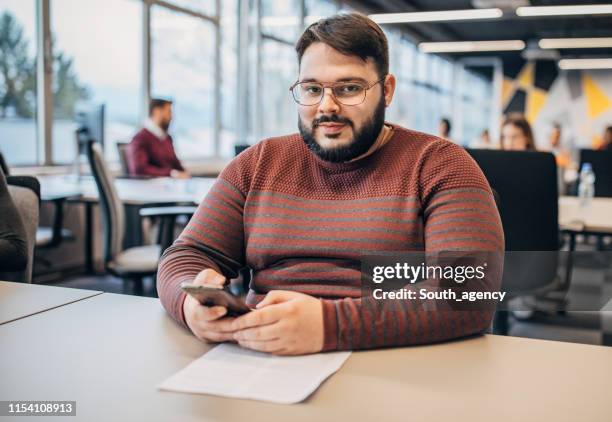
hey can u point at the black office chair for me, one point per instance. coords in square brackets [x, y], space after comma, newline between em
[601, 162]
[133, 263]
[526, 184]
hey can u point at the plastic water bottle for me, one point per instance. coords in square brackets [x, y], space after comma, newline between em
[586, 185]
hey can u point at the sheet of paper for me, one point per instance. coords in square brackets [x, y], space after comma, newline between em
[231, 371]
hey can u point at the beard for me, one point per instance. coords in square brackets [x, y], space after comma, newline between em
[165, 125]
[361, 142]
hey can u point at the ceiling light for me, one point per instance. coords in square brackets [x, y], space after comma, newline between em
[575, 43]
[439, 16]
[470, 46]
[577, 64]
[587, 9]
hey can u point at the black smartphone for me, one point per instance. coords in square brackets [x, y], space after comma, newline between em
[210, 296]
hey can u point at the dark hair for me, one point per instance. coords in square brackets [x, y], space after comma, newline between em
[519, 121]
[353, 34]
[446, 122]
[157, 103]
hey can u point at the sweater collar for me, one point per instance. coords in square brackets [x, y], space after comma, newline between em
[152, 127]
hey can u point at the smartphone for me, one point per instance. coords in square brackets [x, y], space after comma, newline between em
[210, 296]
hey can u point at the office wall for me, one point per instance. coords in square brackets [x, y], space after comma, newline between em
[581, 101]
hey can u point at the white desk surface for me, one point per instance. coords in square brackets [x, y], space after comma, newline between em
[110, 351]
[131, 191]
[18, 300]
[596, 218]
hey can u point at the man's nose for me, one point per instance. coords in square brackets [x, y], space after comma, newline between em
[328, 103]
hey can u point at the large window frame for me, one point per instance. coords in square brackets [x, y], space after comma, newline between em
[44, 73]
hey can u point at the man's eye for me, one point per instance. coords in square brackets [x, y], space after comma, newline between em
[312, 89]
[349, 89]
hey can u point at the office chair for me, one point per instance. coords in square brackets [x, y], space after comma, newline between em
[122, 152]
[3, 165]
[601, 162]
[48, 236]
[527, 189]
[25, 193]
[133, 263]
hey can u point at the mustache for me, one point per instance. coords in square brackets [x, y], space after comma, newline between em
[332, 118]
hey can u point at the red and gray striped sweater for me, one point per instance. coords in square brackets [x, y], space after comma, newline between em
[301, 224]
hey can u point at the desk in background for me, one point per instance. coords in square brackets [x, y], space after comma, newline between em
[110, 351]
[135, 193]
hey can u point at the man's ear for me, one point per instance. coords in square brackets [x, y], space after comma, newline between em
[389, 88]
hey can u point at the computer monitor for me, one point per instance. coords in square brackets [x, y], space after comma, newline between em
[89, 118]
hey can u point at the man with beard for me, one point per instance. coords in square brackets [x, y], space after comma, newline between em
[300, 210]
[151, 152]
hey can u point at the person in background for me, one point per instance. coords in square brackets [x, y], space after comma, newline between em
[516, 134]
[444, 128]
[606, 145]
[483, 141]
[13, 243]
[556, 147]
[151, 152]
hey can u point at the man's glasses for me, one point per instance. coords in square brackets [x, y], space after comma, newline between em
[349, 93]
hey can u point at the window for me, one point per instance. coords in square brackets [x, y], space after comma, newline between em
[18, 81]
[281, 19]
[229, 75]
[206, 7]
[183, 69]
[279, 70]
[97, 59]
[320, 8]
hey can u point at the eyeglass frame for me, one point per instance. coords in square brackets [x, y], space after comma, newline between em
[330, 85]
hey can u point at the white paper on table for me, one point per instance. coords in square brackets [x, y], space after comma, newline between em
[231, 371]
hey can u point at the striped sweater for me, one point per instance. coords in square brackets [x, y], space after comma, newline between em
[301, 224]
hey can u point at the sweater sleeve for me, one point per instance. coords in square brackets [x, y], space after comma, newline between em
[459, 214]
[214, 237]
[176, 163]
[13, 244]
[139, 160]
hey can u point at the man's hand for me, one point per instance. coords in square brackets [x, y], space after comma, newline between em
[284, 323]
[207, 323]
[178, 174]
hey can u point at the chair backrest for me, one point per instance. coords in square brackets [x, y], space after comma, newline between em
[4, 165]
[113, 212]
[601, 162]
[526, 182]
[25, 194]
[123, 151]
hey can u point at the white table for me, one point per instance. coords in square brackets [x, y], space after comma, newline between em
[19, 300]
[109, 352]
[130, 191]
[596, 218]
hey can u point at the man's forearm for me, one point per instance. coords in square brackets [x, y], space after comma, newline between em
[179, 264]
[352, 324]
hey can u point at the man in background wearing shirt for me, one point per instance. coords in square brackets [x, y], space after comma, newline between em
[151, 152]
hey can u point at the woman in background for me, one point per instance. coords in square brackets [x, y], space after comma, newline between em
[516, 134]
[606, 144]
